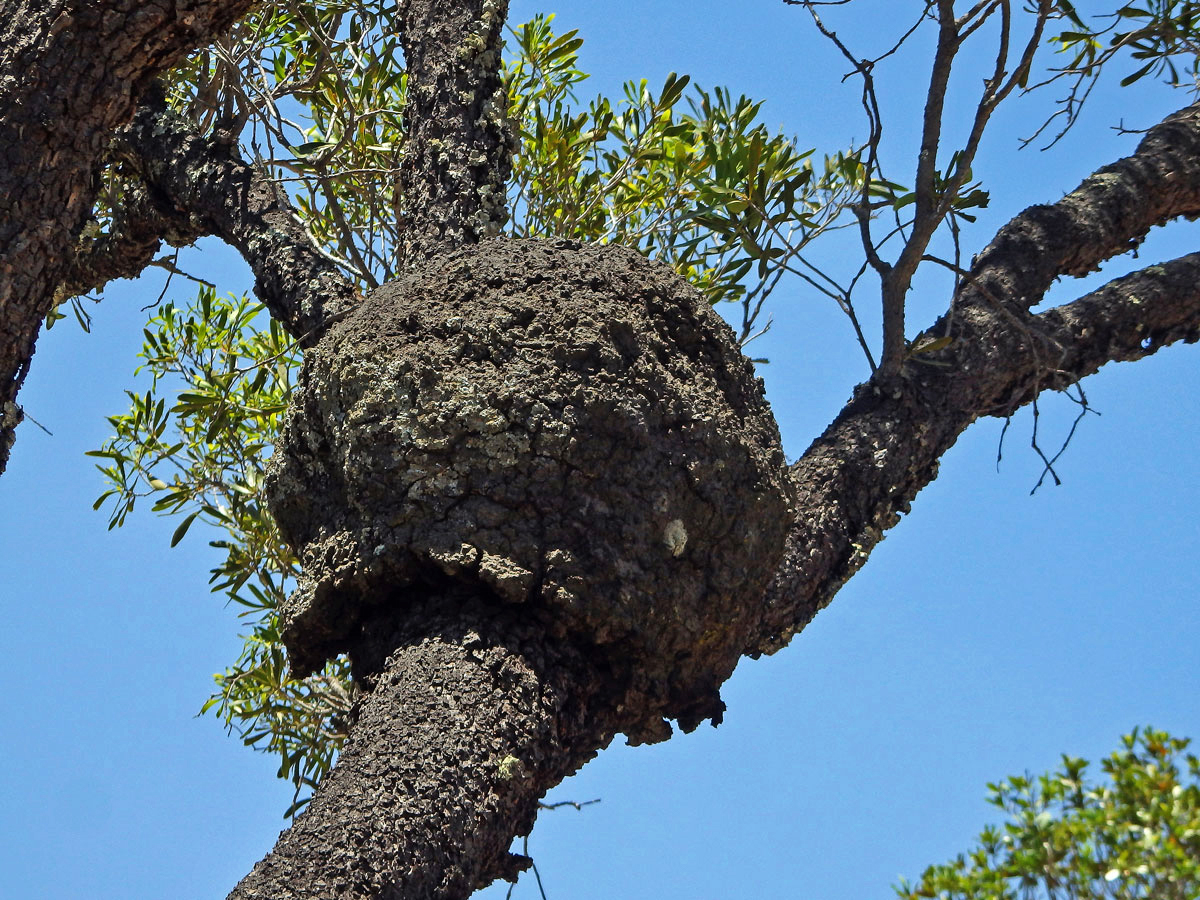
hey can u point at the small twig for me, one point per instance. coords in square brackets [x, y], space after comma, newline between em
[533, 866]
[1084, 409]
[26, 414]
[1000, 443]
[331, 320]
[1049, 463]
[536, 874]
[574, 804]
[172, 269]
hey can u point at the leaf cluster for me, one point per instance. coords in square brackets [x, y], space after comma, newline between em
[691, 177]
[314, 91]
[1132, 836]
[195, 445]
[1161, 37]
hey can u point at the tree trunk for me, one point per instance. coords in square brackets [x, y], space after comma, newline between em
[73, 70]
[454, 172]
[470, 716]
[472, 710]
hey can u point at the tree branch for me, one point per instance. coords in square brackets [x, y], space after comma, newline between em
[1127, 319]
[136, 235]
[932, 206]
[1107, 215]
[463, 727]
[205, 179]
[948, 44]
[73, 70]
[856, 480]
[458, 146]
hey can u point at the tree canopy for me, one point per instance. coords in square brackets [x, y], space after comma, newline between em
[684, 175]
[1134, 835]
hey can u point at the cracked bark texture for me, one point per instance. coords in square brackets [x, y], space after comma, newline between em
[469, 718]
[203, 180]
[569, 428]
[456, 162]
[473, 710]
[72, 71]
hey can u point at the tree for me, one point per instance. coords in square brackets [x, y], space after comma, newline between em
[849, 492]
[1067, 837]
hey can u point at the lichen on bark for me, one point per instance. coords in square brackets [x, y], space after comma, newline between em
[453, 179]
[567, 428]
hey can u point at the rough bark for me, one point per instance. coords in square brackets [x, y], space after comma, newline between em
[454, 172]
[469, 719]
[473, 710]
[569, 428]
[72, 72]
[130, 244]
[203, 180]
[856, 480]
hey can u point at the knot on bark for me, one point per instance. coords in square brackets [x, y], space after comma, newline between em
[568, 428]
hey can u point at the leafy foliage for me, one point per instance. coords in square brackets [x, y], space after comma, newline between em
[203, 459]
[314, 89]
[314, 92]
[1135, 836]
[1162, 37]
[701, 184]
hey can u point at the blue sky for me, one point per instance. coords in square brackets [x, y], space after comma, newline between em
[990, 632]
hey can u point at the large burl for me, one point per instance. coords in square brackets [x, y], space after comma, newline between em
[563, 426]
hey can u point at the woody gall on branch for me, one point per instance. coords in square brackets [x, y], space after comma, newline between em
[536, 490]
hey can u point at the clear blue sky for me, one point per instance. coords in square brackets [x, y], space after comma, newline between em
[990, 631]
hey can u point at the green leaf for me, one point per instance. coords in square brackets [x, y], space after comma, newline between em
[312, 148]
[672, 90]
[1068, 8]
[933, 345]
[183, 528]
